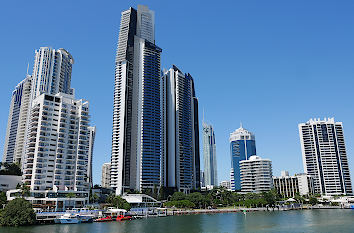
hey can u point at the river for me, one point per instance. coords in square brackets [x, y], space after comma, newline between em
[334, 220]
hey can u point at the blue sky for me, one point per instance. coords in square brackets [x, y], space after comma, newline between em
[268, 64]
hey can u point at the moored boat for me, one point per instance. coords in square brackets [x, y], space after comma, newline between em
[68, 218]
[123, 218]
[104, 219]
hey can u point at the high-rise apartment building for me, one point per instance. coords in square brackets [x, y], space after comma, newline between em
[52, 72]
[106, 175]
[91, 138]
[57, 155]
[256, 175]
[17, 122]
[53, 141]
[324, 156]
[136, 137]
[180, 150]
[209, 153]
[242, 147]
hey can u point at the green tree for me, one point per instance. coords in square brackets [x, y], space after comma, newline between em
[178, 196]
[10, 169]
[196, 198]
[24, 190]
[3, 199]
[313, 200]
[271, 197]
[17, 212]
[118, 202]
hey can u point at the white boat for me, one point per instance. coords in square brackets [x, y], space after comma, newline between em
[114, 210]
[68, 218]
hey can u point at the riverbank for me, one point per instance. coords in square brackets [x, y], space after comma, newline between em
[315, 220]
[171, 212]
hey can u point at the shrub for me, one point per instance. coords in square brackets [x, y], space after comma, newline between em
[18, 212]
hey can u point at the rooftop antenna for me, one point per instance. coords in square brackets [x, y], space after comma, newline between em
[27, 67]
[203, 115]
[241, 124]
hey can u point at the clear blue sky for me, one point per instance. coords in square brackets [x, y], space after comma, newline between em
[270, 64]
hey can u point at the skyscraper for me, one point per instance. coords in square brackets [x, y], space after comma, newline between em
[242, 147]
[17, 122]
[180, 160]
[52, 72]
[324, 156]
[91, 138]
[136, 135]
[209, 152]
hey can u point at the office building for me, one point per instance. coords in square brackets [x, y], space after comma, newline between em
[256, 175]
[17, 122]
[106, 175]
[242, 147]
[289, 186]
[209, 152]
[180, 150]
[324, 156]
[136, 138]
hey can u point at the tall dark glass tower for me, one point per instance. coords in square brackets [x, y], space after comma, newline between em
[180, 131]
[136, 136]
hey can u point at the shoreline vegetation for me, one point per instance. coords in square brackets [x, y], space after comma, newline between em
[19, 212]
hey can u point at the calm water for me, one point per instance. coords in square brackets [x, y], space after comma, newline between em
[283, 221]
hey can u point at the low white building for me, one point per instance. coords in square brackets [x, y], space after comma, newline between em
[141, 200]
[256, 175]
[8, 182]
[289, 186]
[53, 200]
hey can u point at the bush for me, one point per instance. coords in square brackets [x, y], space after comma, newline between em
[17, 212]
[180, 204]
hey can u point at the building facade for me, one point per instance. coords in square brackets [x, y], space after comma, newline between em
[57, 155]
[324, 156]
[242, 147]
[17, 122]
[52, 72]
[256, 175]
[289, 186]
[209, 153]
[226, 184]
[91, 138]
[179, 107]
[136, 135]
[106, 175]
